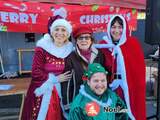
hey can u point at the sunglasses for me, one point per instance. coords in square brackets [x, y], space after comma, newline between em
[84, 38]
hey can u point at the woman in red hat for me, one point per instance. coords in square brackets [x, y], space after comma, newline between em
[78, 61]
[44, 99]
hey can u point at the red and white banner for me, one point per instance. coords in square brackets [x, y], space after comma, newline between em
[32, 16]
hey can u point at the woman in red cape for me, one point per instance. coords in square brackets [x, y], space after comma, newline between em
[125, 61]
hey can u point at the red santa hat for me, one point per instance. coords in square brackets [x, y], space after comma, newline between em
[82, 30]
[58, 20]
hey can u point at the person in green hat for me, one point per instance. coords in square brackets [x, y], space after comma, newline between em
[95, 101]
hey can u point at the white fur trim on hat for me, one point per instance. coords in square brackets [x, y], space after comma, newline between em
[108, 37]
[61, 22]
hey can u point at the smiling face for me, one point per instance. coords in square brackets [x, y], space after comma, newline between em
[60, 36]
[84, 41]
[98, 83]
[116, 31]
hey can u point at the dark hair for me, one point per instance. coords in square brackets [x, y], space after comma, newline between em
[117, 19]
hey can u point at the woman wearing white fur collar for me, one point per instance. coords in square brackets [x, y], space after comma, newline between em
[43, 100]
[125, 61]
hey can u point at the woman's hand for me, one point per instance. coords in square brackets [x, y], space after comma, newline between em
[65, 76]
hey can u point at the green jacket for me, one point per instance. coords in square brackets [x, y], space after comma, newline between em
[86, 95]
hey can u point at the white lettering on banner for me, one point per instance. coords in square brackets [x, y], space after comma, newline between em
[99, 19]
[13, 17]
[34, 17]
[82, 19]
[89, 19]
[24, 18]
[4, 17]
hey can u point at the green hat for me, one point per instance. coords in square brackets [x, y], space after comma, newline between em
[92, 69]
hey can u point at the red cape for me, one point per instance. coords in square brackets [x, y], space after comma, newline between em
[135, 73]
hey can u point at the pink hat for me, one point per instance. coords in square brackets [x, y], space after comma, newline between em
[82, 30]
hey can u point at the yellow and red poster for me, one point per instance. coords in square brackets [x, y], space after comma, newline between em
[33, 16]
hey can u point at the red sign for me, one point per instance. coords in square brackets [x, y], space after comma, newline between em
[33, 16]
[92, 109]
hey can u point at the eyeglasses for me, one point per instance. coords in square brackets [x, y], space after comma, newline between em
[84, 37]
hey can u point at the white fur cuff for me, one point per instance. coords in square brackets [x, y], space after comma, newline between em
[46, 86]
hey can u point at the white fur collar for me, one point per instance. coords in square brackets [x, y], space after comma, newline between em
[60, 52]
[103, 104]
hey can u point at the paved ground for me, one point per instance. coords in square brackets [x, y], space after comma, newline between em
[9, 107]
[151, 108]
